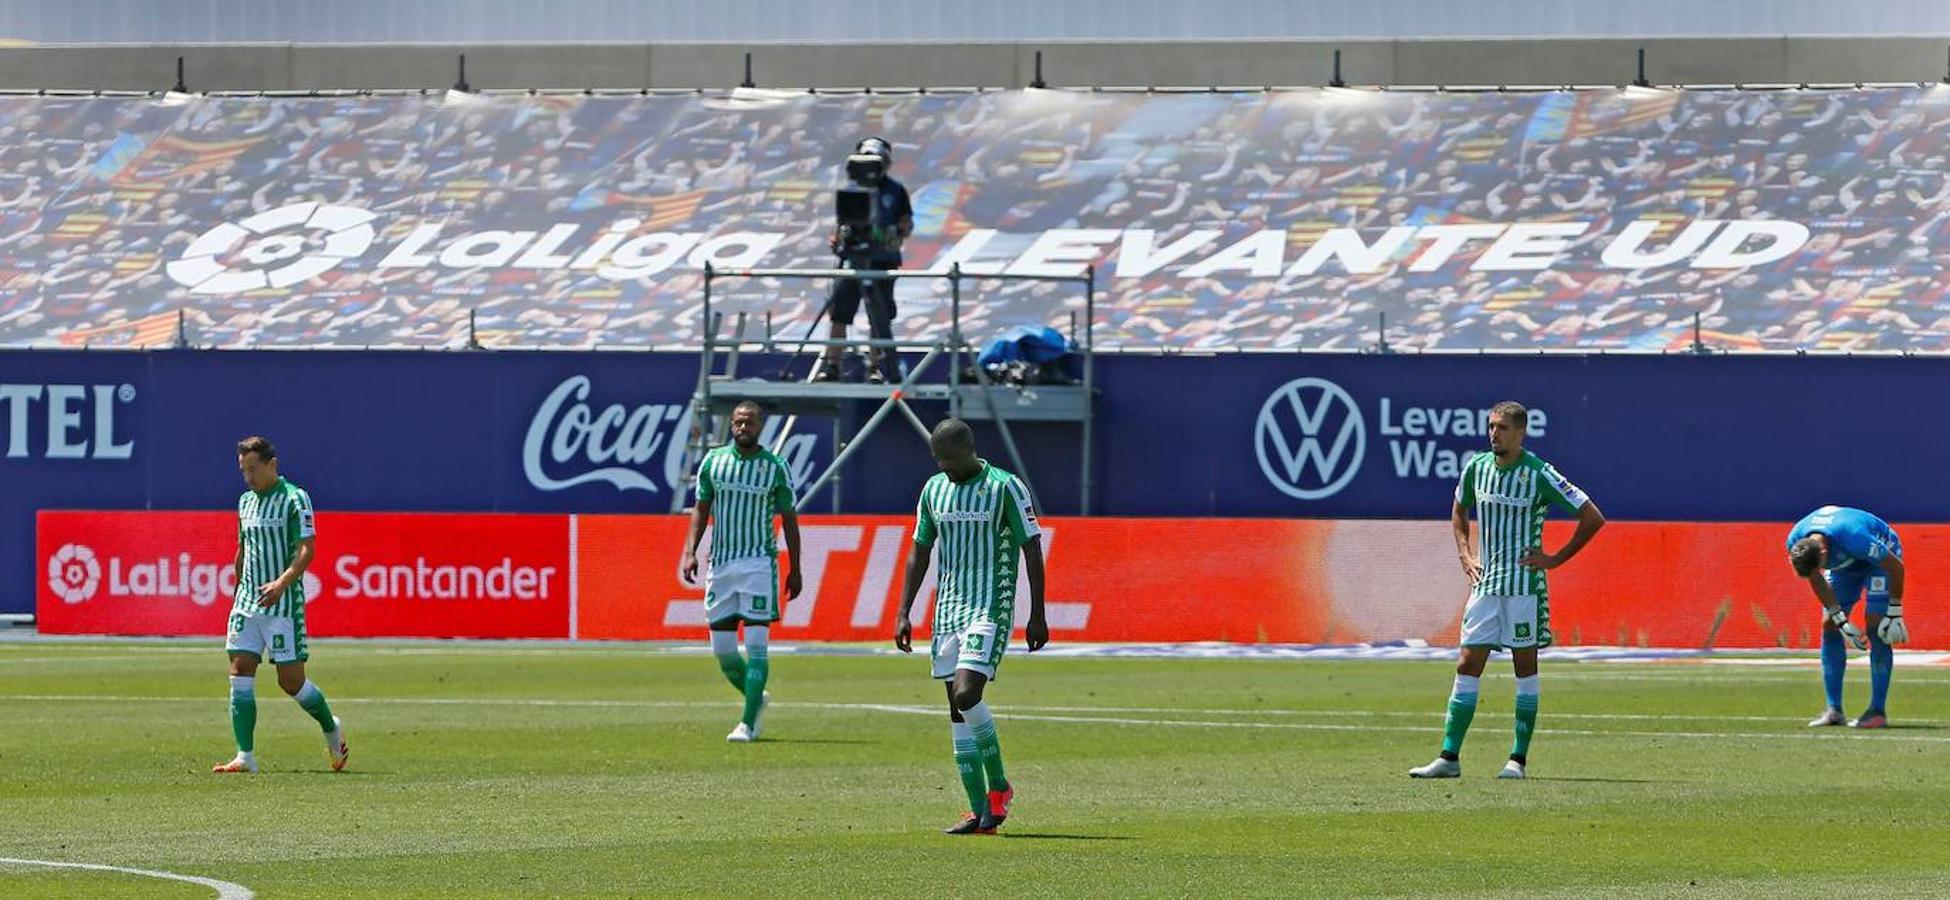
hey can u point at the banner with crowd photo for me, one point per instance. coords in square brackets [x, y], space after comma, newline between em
[1607, 219]
[1640, 584]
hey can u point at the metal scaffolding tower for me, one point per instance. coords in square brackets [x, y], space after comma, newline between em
[983, 399]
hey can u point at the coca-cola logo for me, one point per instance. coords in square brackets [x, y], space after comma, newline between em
[571, 442]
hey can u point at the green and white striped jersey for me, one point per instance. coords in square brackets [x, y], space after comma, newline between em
[269, 527]
[977, 527]
[1510, 504]
[745, 492]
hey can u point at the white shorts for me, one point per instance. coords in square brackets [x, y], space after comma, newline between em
[280, 640]
[977, 648]
[1513, 623]
[745, 589]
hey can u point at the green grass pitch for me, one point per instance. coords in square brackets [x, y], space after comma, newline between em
[492, 770]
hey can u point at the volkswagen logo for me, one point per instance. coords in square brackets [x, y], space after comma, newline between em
[1310, 438]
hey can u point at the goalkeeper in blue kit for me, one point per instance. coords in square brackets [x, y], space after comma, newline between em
[1846, 554]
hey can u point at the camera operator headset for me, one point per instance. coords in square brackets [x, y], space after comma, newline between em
[871, 241]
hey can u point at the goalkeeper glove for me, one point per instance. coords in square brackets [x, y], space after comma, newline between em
[1892, 631]
[1840, 620]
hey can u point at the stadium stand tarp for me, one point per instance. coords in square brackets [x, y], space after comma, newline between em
[1287, 219]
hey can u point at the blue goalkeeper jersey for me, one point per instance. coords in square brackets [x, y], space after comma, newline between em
[1857, 540]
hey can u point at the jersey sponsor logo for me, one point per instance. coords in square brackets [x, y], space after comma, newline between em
[733, 487]
[571, 442]
[967, 515]
[297, 242]
[1310, 438]
[79, 420]
[73, 574]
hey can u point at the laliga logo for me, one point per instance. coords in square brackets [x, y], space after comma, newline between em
[73, 574]
[275, 248]
[1295, 423]
[300, 241]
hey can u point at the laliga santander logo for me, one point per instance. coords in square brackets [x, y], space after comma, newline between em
[274, 245]
[73, 574]
[296, 242]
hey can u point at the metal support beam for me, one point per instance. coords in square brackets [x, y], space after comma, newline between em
[1002, 425]
[873, 422]
[920, 427]
[1089, 384]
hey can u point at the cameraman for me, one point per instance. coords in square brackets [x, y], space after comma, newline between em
[892, 220]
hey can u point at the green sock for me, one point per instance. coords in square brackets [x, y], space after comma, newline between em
[733, 667]
[1462, 708]
[243, 711]
[968, 760]
[981, 723]
[724, 645]
[1526, 723]
[756, 672]
[312, 700]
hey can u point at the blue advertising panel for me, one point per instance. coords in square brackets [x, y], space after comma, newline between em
[1650, 437]
[1302, 436]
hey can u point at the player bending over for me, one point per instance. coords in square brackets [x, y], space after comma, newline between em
[1859, 553]
[976, 518]
[1509, 605]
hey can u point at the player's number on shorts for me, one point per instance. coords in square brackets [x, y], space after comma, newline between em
[237, 623]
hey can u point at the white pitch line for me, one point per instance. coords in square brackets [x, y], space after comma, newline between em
[1575, 732]
[1735, 676]
[1434, 714]
[84, 657]
[1033, 714]
[1330, 726]
[225, 890]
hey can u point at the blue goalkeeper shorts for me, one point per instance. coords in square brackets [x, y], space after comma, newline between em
[1850, 586]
